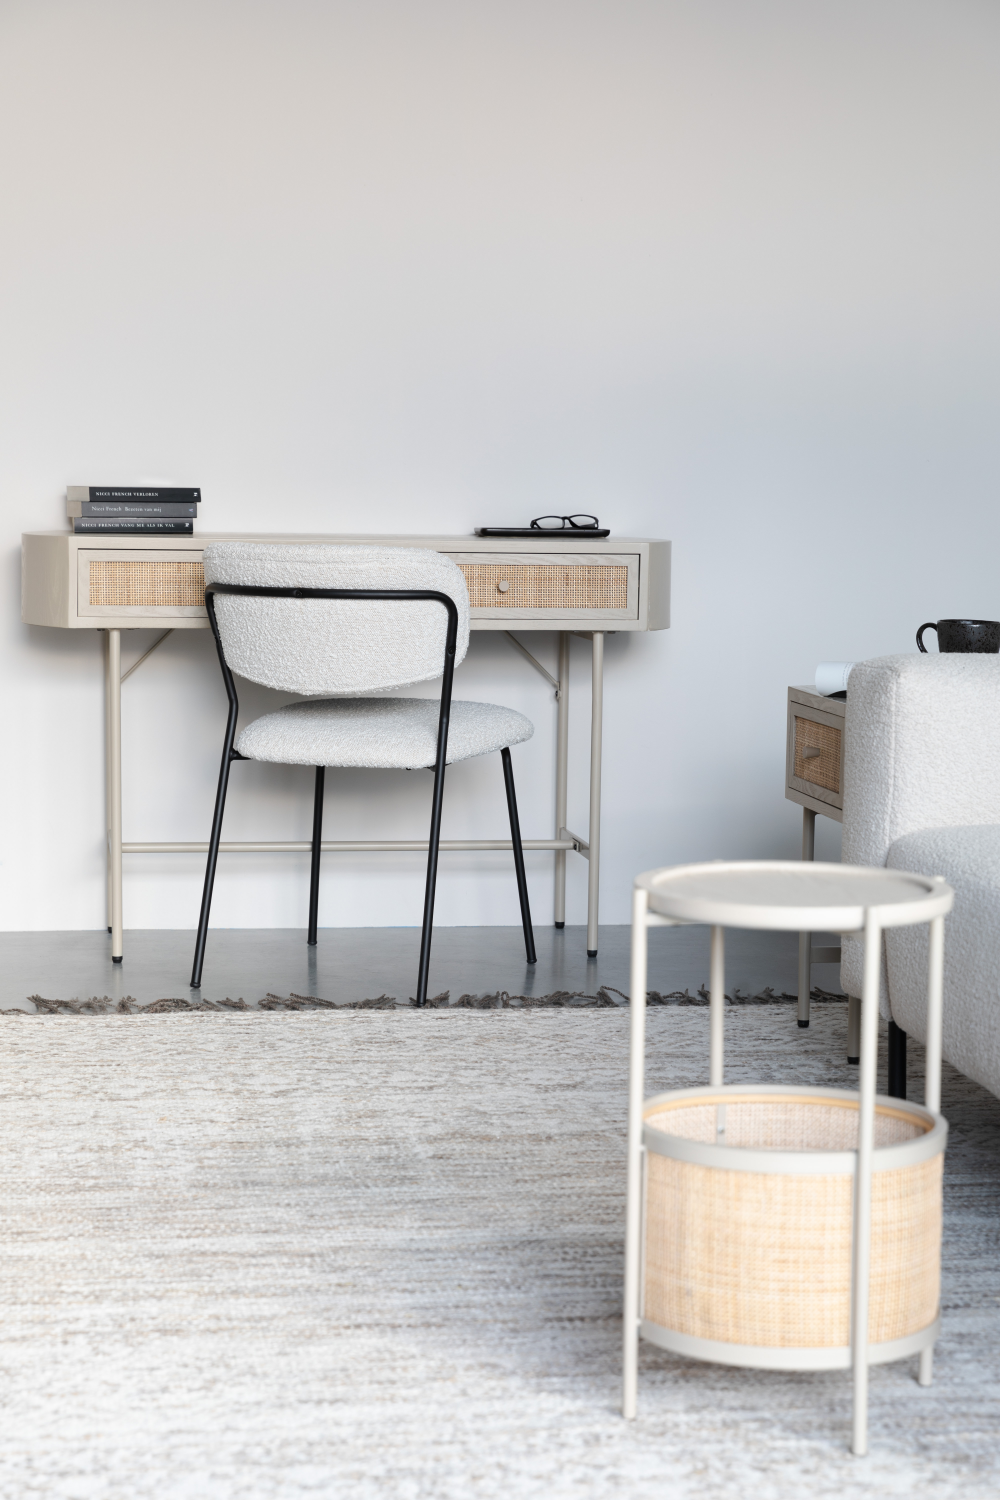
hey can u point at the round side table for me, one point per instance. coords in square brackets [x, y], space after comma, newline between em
[749, 1227]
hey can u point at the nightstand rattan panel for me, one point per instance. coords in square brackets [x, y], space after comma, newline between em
[822, 769]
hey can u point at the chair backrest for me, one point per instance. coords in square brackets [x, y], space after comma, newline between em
[335, 646]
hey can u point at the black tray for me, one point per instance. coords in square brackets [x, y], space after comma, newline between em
[577, 533]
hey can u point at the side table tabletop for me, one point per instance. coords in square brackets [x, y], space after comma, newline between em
[791, 1159]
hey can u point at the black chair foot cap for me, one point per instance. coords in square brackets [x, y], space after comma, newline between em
[115, 960]
[855, 1061]
[803, 1024]
[560, 925]
[591, 952]
[311, 943]
[109, 929]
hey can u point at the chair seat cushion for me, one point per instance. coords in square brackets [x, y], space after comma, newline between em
[387, 733]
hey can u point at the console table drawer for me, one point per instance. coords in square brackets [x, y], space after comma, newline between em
[148, 583]
[550, 585]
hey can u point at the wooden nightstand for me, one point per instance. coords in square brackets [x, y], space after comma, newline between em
[814, 757]
[814, 778]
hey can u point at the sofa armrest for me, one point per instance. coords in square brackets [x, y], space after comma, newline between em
[921, 750]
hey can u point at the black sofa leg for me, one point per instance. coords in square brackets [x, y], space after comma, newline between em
[897, 1061]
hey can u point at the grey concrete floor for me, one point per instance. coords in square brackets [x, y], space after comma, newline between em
[360, 963]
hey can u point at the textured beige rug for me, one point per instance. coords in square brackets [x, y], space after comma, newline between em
[378, 1255]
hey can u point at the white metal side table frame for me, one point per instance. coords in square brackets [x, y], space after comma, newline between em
[786, 896]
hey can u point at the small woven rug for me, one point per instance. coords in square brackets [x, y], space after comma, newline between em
[378, 1256]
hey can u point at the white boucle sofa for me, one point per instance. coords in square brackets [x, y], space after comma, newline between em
[922, 793]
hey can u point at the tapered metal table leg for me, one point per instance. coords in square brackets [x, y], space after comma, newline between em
[594, 836]
[805, 938]
[114, 747]
[562, 769]
[107, 769]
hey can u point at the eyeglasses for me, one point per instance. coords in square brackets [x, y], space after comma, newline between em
[561, 523]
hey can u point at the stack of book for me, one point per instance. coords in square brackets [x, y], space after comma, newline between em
[123, 510]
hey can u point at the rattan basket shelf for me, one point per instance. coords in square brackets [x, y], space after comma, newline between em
[748, 1198]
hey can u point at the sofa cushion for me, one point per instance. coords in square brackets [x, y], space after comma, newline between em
[969, 859]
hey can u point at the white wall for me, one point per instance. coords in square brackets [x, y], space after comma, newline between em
[720, 271]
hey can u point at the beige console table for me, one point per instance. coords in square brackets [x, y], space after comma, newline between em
[587, 588]
[814, 777]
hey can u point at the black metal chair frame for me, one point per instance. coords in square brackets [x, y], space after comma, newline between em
[229, 755]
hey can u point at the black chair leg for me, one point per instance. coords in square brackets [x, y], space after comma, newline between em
[433, 848]
[897, 1061]
[213, 859]
[317, 840]
[515, 838]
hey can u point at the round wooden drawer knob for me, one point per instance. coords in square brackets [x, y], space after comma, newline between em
[503, 585]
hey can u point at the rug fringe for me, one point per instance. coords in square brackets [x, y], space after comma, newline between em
[103, 1005]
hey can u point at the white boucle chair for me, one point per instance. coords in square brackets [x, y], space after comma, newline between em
[922, 793]
[351, 623]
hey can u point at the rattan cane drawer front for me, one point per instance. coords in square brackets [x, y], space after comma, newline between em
[141, 583]
[821, 767]
[815, 755]
[544, 585]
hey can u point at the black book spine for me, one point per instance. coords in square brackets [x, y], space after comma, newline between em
[136, 510]
[118, 526]
[133, 494]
